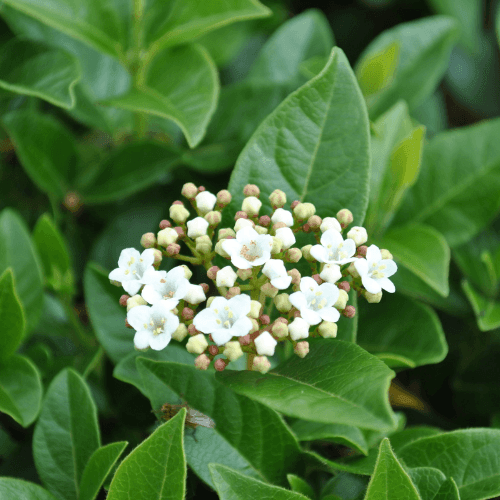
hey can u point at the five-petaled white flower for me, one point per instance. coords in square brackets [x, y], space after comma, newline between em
[275, 270]
[154, 325]
[225, 319]
[375, 271]
[131, 268]
[333, 249]
[315, 302]
[160, 285]
[249, 248]
[205, 201]
[281, 215]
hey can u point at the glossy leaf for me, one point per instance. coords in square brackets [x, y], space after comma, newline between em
[424, 51]
[11, 316]
[17, 252]
[448, 491]
[232, 485]
[427, 480]
[313, 146]
[298, 485]
[257, 436]
[66, 434]
[18, 489]
[156, 469]
[487, 310]
[337, 382]
[457, 190]
[182, 85]
[20, 389]
[344, 486]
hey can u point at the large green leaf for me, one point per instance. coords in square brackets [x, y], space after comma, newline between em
[17, 252]
[314, 146]
[469, 456]
[36, 137]
[427, 480]
[257, 436]
[11, 316]
[337, 382]
[448, 491]
[487, 310]
[299, 485]
[20, 389]
[390, 481]
[66, 434]
[156, 469]
[424, 51]
[457, 190]
[41, 71]
[181, 84]
[18, 489]
[231, 485]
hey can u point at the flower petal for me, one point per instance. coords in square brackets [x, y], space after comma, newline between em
[240, 262]
[306, 284]
[361, 266]
[319, 253]
[370, 284]
[349, 247]
[387, 285]
[329, 314]
[117, 275]
[373, 254]
[240, 304]
[148, 257]
[232, 247]
[281, 283]
[176, 274]
[244, 235]
[331, 237]
[329, 292]
[390, 267]
[125, 256]
[206, 321]
[150, 295]
[312, 317]
[298, 300]
[139, 316]
[159, 342]
[241, 327]
[141, 339]
[222, 335]
[131, 286]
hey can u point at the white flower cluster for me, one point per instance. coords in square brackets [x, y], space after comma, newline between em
[162, 305]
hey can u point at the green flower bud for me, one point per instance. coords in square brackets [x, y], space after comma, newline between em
[203, 244]
[304, 210]
[328, 330]
[372, 298]
[342, 300]
[277, 199]
[282, 302]
[225, 232]
[181, 333]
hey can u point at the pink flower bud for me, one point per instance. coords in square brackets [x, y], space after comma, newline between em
[123, 300]
[278, 225]
[213, 350]
[277, 199]
[264, 220]
[202, 362]
[294, 273]
[187, 314]
[165, 223]
[220, 364]
[189, 190]
[264, 319]
[240, 215]
[251, 190]
[261, 364]
[157, 258]
[178, 202]
[294, 204]
[192, 330]
[306, 228]
[345, 217]
[361, 250]
[349, 312]
[269, 290]
[223, 198]
[212, 272]
[301, 349]
[244, 340]
[173, 249]
[344, 285]
[201, 189]
[232, 292]
[180, 232]
[314, 222]
[213, 218]
[148, 240]
[205, 287]
[293, 255]
[317, 279]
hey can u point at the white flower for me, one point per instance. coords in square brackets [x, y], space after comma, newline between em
[285, 234]
[251, 205]
[330, 223]
[225, 319]
[131, 268]
[205, 201]
[197, 227]
[265, 344]
[160, 285]
[333, 249]
[195, 294]
[281, 215]
[226, 277]
[241, 223]
[154, 325]
[249, 248]
[298, 329]
[358, 235]
[331, 273]
[275, 270]
[315, 302]
[375, 271]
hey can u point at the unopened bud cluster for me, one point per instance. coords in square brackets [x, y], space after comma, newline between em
[258, 283]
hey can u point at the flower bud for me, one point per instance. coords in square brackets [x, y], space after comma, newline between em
[226, 277]
[304, 210]
[179, 213]
[210, 300]
[294, 273]
[306, 228]
[195, 295]
[181, 333]
[241, 223]
[283, 216]
[269, 290]
[314, 222]
[306, 253]
[286, 235]
[202, 362]
[187, 314]
[386, 254]
[353, 271]
[225, 232]
[255, 326]
[232, 292]
[167, 236]
[134, 301]
[345, 217]
[265, 344]
[342, 300]
[240, 214]
[261, 364]
[203, 244]
[293, 255]
[212, 272]
[344, 285]
[251, 190]
[317, 279]
[244, 340]
[165, 223]
[264, 319]
[213, 218]
[148, 240]
[280, 330]
[373, 298]
[328, 330]
[277, 199]
[298, 329]
[180, 232]
[205, 287]
[157, 256]
[187, 272]
[205, 202]
[189, 191]
[278, 225]
[261, 230]
[331, 273]
[330, 223]
[197, 227]
[282, 302]
[232, 350]
[349, 312]
[244, 274]
[255, 307]
[251, 206]
[223, 198]
[197, 344]
[123, 300]
[358, 235]
[192, 330]
[301, 349]
[277, 245]
[361, 250]
[220, 364]
[219, 250]
[265, 221]
[294, 204]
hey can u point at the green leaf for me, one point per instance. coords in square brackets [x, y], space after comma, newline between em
[432, 113]
[182, 85]
[98, 467]
[418, 340]
[390, 481]
[300, 486]
[314, 146]
[344, 486]
[348, 327]
[337, 382]
[487, 310]
[156, 469]
[11, 316]
[232, 485]
[40, 71]
[17, 489]
[257, 436]
[168, 23]
[424, 51]
[423, 251]
[36, 137]
[448, 491]
[66, 434]
[93, 22]
[20, 390]
[17, 252]
[469, 456]
[457, 190]
[427, 480]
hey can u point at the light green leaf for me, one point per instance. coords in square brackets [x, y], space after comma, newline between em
[487, 310]
[17, 252]
[427, 480]
[432, 113]
[11, 316]
[344, 486]
[457, 190]
[156, 469]
[337, 382]
[20, 389]
[181, 84]
[259, 441]
[18, 489]
[424, 51]
[66, 434]
[448, 491]
[314, 146]
[390, 481]
[232, 485]
[298, 485]
[36, 137]
[98, 467]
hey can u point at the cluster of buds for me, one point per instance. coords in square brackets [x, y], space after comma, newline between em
[247, 310]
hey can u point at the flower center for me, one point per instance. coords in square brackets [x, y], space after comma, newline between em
[250, 253]
[376, 272]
